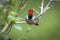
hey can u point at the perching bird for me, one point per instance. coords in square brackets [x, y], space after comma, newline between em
[30, 19]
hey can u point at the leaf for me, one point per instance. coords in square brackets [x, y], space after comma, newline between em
[17, 27]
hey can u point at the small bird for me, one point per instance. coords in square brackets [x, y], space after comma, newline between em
[30, 19]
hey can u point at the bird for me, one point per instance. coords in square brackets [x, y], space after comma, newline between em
[30, 18]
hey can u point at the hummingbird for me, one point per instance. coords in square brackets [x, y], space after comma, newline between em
[30, 18]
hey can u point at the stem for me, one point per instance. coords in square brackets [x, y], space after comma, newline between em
[43, 10]
[7, 26]
[10, 23]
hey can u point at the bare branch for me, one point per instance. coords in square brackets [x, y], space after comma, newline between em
[22, 22]
[47, 6]
[42, 6]
[10, 24]
[6, 26]
[36, 11]
[43, 10]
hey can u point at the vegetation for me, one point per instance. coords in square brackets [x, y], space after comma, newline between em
[8, 15]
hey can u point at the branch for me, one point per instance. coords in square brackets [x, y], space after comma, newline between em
[43, 10]
[10, 24]
[22, 22]
[6, 26]
[36, 11]
[47, 6]
[42, 6]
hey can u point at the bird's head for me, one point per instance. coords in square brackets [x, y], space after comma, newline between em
[30, 12]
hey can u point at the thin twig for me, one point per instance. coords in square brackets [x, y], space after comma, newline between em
[6, 26]
[36, 11]
[43, 10]
[22, 22]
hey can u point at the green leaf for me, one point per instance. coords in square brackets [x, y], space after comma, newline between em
[18, 27]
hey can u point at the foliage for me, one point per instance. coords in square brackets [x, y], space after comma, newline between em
[6, 13]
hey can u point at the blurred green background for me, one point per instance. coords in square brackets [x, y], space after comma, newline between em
[49, 24]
